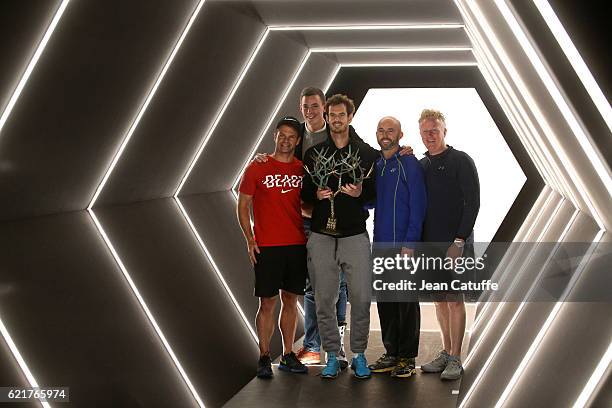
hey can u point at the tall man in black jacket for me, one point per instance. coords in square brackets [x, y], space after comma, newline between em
[348, 248]
[453, 201]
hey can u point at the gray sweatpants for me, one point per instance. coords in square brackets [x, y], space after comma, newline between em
[353, 255]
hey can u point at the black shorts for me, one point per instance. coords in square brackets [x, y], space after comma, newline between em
[280, 268]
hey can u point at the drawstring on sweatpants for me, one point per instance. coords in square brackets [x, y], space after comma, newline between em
[336, 248]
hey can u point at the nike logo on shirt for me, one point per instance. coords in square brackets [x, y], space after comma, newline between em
[286, 191]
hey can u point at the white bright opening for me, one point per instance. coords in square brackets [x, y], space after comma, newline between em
[470, 129]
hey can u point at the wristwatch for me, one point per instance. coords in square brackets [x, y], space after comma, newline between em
[459, 242]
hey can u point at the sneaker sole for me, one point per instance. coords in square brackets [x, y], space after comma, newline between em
[406, 375]
[362, 377]
[290, 370]
[452, 378]
[265, 377]
[431, 371]
[329, 377]
[382, 370]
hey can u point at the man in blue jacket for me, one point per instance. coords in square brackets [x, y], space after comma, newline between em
[401, 202]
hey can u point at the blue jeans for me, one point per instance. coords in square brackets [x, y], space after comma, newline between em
[312, 340]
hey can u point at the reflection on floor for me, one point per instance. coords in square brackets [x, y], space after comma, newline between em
[294, 390]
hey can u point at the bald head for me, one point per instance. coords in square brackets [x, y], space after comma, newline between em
[390, 120]
[388, 134]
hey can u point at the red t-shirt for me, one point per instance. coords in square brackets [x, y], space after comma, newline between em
[275, 187]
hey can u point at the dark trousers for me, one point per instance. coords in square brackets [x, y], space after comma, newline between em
[400, 323]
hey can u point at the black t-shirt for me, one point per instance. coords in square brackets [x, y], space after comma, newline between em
[453, 196]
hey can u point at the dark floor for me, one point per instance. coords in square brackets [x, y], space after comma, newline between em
[422, 390]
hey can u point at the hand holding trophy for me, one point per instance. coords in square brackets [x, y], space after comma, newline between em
[348, 165]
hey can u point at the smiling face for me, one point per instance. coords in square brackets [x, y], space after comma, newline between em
[338, 118]
[312, 108]
[388, 134]
[286, 138]
[433, 133]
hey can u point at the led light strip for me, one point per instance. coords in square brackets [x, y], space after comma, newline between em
[594, 155]
[510, 258]
[511, 263]
[145, 308]
[561, 155]
[218, 271]
[145, 105]
[98, 225]
[271, 118]
[575, 59]
[7, 111]
[26, 75]
[514, 282]
[517, 313]
[549, 320]
[390, 49]
[229, 98]
[488, 61]
[587, 393]
[22, 364]
[522, 130]
[391, 64]
[350, 27]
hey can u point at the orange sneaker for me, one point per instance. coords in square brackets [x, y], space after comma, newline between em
[308, 357]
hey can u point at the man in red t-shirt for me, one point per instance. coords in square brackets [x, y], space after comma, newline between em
[278, 248]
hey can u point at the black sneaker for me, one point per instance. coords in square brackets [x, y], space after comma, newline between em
[264, 367]
[384, 364]
[289, 362]
[405, 368]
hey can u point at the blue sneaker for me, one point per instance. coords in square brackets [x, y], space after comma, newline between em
[332, 368]
[360, 366]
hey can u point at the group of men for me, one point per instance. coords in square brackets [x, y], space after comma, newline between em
[294, 253]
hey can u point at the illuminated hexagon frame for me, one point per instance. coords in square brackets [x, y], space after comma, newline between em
[504, 80]
[585, 183]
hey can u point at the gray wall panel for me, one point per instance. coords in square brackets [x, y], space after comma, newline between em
[22, 26]
[214, 217]
[246, 116]
[184, 294]
[343, 12]
[587, 338]
[317, 72]
[75, 320]
[79, 103]
[431, 37]
[528, 323]
[186, 104]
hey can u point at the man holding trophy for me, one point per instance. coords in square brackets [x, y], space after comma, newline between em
[338, 183]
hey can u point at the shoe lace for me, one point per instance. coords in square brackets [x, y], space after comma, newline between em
[453, 364]
[360, 360]
[441, 358]
[383, 359]
[402, 363]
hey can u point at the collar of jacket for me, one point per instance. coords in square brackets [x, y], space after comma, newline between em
[353, 137]
[439, 155]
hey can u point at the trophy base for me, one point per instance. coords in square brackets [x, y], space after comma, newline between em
[330, 229]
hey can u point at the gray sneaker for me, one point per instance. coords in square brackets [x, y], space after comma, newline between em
[438, 364]
[453, 370]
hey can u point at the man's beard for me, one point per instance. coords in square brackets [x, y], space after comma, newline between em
[340, 129]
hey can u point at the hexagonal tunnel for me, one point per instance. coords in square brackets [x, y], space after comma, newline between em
[125, 129]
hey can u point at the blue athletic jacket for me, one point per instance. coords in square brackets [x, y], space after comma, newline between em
[401, 200]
